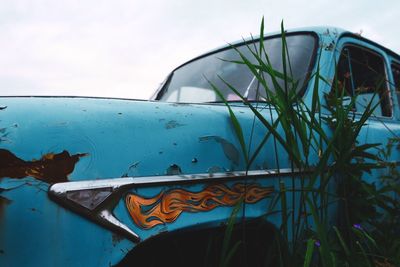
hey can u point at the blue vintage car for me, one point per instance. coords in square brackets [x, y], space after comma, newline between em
[88, 181]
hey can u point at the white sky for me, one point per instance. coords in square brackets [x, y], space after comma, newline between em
[123, 48]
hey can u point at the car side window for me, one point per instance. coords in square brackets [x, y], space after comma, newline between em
[361, 73]
[396, 77]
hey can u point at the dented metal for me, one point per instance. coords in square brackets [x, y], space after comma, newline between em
[93, 156]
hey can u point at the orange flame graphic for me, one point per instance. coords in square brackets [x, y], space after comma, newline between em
[167, 206]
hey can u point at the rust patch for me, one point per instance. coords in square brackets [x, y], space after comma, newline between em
[51, 168]
[167, 206]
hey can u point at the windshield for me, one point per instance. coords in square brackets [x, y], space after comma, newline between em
[191, 82]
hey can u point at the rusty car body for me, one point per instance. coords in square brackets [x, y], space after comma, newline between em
[84, 181]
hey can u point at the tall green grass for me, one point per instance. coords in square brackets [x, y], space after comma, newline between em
[326, 148]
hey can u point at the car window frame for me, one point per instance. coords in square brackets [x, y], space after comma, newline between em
[313, 61]
[350, 40]
[396, 98]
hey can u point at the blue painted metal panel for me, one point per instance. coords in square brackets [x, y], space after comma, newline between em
[120, 138]
[76, 139]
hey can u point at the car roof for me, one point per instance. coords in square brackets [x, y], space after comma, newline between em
[324, 32]
[317, 30]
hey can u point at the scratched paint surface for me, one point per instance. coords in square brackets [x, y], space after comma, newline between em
[99, 143]
[167, 206]
[121, 138]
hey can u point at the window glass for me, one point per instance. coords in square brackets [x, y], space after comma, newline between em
[191, 82]
[361, 73]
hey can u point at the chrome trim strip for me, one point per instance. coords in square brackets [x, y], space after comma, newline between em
[117, 183]
[107, 216]
[102, 213]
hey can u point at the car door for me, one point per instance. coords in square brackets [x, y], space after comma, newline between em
[364, 71]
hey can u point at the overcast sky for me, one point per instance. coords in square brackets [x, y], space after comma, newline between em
[123, 48]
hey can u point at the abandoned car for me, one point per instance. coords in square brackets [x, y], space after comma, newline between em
[90, 181]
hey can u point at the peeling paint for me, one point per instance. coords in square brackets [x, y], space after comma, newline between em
[3, 202]
[229, 149]
[173, 124]
[51, 168]
[174, 170]
[327, 32]
[215, 169]
[132, 170]
[4, 134]
[116, 238]
[330, 46]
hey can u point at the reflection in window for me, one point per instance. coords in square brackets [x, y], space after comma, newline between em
[191, 82]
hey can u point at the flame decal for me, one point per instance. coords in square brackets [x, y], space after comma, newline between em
[167, 206]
